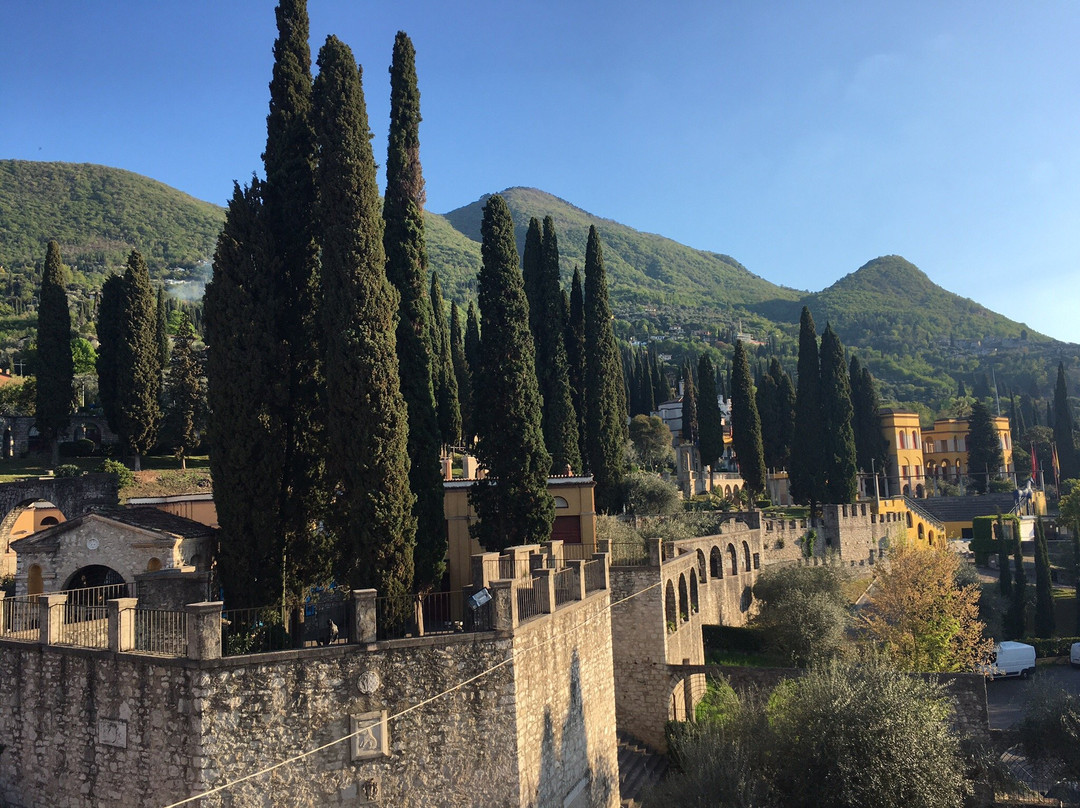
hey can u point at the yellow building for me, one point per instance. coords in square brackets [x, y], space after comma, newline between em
[945, 448]
[575, 523]
[905, 470]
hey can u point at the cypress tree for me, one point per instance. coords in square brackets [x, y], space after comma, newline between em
[746, 423]
[1044, 593]
[605, 396]
[575, 356]
[138, 362]
[871, 448]
[407, 270]
[531, 271]
[447, 407]
[366, 423]
[776, 407]
[161, 330]
[472, 356]
[1017, 615]
[710, 422]
[661, 388]
[785, 413]
[838, 436]
[463, 374]
[765, 397]
[1063, 428]
[806, 449]
[1004, 570]
[689, 406]
[55, 365]
[185, 393]
[245, 432]
[512, 502]
[108, 331]
[985, 456]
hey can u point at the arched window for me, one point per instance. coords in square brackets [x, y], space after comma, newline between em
[684, 600]
[922, 532]
[746, 556]
[910, 521]
[34, 584]
[561, 503]
[733, 559]
[670, 606]
[702, 571]
[716, 563]
[154, 565]
[693, 592]
[903, 439]
[914, 439]
[49, 521]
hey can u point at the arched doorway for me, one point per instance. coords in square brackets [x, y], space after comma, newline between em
[34, 583]
[93, 576]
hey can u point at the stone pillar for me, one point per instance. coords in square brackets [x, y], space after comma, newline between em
[603, 545]
[121, 623]
[468, 467]
[688, 694]
[52, 617]
[3, 614]
[605, 565]
[485, 569]
[547, 590]
[505, 598]
[555, 554]
[578, 566]
[364, 626]
[204, 630]
[655, 556]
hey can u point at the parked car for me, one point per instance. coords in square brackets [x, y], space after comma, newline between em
[1011, 659]
[1074, 655]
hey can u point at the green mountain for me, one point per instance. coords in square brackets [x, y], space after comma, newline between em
[98, 215]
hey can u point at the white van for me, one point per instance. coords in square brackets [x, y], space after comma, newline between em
[1074, 655]
[1010, 659]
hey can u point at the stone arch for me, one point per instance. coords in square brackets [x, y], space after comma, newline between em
[671, 608]
[72, 496]
[930, 537]
[153, 565]
[746, 557]
[94, 575]
[694, 605]
[727, 491]
[49, 521]
[922, 532]
[910, 520]
[35, 585]
[684, 600]
[702, 568]
[716, 563]
[733, 559]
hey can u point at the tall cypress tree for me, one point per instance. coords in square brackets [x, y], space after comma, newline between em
[447, 407]
[985, 456]
[108, 331]
[138, 381]
[185, 395]
[56, 368]
[1063, 428]
[161, 330]
[746, 423]
[575, 356]
[512, 502]
[689, 406]
[605, 394]
[463, 373]
[710, 422]
[1016, 618]
[1044, 592]
[531, 258]
[407, 270]
[807, 459]
[871, 448]
[472, 356]
[1004, 569]
[838, 436]
[367, 421]
[245, 432]
[785, 413]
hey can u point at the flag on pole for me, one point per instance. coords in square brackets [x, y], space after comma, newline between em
[1034, 467]
[1057, 466]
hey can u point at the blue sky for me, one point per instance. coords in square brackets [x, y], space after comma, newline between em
[803, 139]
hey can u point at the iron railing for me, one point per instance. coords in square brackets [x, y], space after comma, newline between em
[161, 631]
[85, 626]
[629, 554]
[594, 576]
[253, 631]
[510, 567]
[565, 586]
[529, 600]
[22, 617]
[576, 552]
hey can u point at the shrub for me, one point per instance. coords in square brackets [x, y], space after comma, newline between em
[83, 447]
[648, 495]
[68, 470]
[1051, 646]
[124, 476]
[804, 612]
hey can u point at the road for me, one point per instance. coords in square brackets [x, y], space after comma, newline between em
[1006, 698]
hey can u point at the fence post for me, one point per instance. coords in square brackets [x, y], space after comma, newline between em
[52, 617]
[603, 545]
[364, 628]
[655, 555]
[204, 630]
[121, 623]
[505, 598]
[485, 569]
[579, 577]
[3, 613]
[546, 577]
[605, 568]
[555, 553]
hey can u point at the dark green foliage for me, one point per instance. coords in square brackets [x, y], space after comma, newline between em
[184, 393]
[1063, 428]
[472, 356]
[605, 392]
[108, 330]
[651, 439]
[746, 423]
[1044, 592]
[513, 502]
[55, 369]
[1050, 729]
[1004, 545]
[1016, 617]
[407, 269]
[689, 406]
[650, 495]
[447, 407]
[463, 374]
[776, 408]
[575, 356]
[138, 362]
[245, 433]
[531, 258]
[366, 418]
[871, 448]
[161, 330]
[985, 456]
[837, 435]
[807, 457]
[710, 425]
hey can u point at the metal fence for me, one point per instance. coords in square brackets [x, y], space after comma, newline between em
[529, 600]
[594, 576]
[565, 586]
[629, 554]
[96, 595]
[253, 631]
[85, 626]
[161, 631]
[510, 567]
[576, 552]
[22, 617]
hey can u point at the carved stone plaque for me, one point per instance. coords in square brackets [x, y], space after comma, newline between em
[368, 683]
[370, 737]
[112, 733]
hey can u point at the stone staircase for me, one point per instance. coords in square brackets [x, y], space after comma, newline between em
[639, 768]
